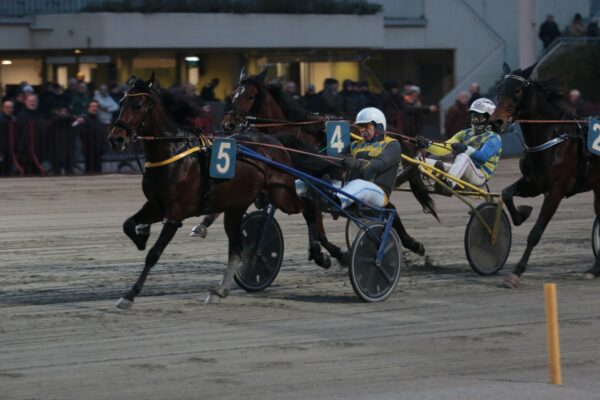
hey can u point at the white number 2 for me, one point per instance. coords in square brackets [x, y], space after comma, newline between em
[223, 156]
[336, 139]
[596, 144]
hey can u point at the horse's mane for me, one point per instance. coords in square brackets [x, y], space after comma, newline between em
[551, 89]
[291, 110]
[180, 108]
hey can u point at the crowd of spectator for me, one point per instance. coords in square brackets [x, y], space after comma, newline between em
[549, 30]
[63, 131]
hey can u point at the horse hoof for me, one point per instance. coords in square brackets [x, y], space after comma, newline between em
[212, 299]
[124, 304]
[512, 281]
[591, 274]
[524, 213]
[199, 231]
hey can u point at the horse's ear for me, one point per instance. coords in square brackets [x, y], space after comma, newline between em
[506, 69]
[242, 74]
[150, 82]
[262, 76]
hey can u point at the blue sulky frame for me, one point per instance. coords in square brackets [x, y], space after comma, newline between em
[320, 186]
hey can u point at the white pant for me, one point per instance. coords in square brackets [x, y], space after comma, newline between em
[367, 192]
[462, 168]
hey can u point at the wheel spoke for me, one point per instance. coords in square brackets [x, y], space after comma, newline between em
[384, 273]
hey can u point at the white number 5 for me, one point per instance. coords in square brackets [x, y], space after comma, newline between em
[223, 156]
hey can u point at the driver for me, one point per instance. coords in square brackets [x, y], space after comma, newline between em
[373, 163]
[477, 148]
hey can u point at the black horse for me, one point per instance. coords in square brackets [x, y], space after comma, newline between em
[177, 185]
[555, 163]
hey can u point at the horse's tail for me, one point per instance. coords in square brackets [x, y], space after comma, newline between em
[420, 191]
[312, 165]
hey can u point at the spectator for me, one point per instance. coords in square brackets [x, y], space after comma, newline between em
[61, 142]
[592, 30]
[548, 31]
[413, 111]
[208, 90]
[474, 90]
[7, 118]
[30, 128]
[369, 99]
[576, 28]
[116, 92]
[348, 99]
[53, 101]
[329, 97]
[311, 100]
[457, 117]
[93, 135]
[291, 90]
[8, 111]
[579, 106]
[79, 100]
[391, 104]
[107, 106]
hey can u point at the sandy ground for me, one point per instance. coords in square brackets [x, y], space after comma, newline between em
[446, 333]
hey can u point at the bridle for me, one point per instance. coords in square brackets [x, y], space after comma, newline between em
[525, 84]
[132, 133]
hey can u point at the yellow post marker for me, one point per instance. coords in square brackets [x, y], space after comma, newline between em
[552, 334]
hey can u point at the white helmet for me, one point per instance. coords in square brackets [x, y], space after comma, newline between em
[483, 106]
[371, 115]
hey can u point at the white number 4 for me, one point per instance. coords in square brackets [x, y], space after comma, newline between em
[223, 156]
[336, 139]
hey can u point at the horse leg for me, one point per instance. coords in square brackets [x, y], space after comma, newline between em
[521, 188]
[202, 228]
[594, 272]
[166, 234]
[407, 240]
[233, 223]
[137, 227]
[549, 206]
[314, 248]
[334, 250]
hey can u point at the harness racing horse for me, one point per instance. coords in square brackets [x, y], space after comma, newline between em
[176, 181]
[254, 99]
[555, 162]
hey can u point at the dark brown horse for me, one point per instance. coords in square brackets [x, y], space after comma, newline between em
[255, 101]
[555, 162]
[178, 188]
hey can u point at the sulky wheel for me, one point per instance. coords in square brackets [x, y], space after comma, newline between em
[259, 268]
[596, 237]
[352, 229]
[485, 257]
[370, 282]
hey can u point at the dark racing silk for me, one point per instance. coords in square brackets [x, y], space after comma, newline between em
[384, 156]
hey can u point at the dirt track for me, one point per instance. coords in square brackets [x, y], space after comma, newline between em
[446, 333]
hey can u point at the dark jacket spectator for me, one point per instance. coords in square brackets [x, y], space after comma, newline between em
[61, 142]
[311, 100]
[592, 30]
[79, 100]
[93, 135]
[7, 119]
[474, 90]
[329, 97]
[208, 91]
[348, 100]
[28, 137]
[391, 105]
[413, 112]
[457, 116]
[548, 31]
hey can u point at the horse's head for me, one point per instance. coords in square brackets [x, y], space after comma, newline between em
[136, 104]
[246, 100]
[512, 95]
